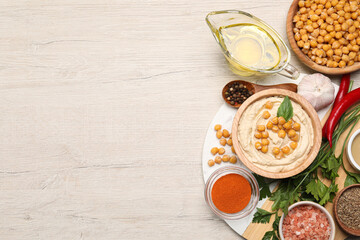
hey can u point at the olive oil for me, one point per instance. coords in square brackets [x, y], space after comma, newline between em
[250, 46]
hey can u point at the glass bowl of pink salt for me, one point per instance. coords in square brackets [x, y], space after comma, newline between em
[232, 192]
[307, 220]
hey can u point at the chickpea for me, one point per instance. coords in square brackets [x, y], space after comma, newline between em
[347, 15]
[352, 29]
[301, 4]
[326, 47]
[232, 149]
[302, 31]
[217, 127]
[223, 141]
[342, 64]
[335, 64]
[261, 128]
[351, 62]
[225, 133]
[258, 134]
[233, 159]
[329, 63]
[265, 141]
[266, 114]
[264, 149]
[329, 53]
[341, 20]
[221, 151]
[275, 129]
[335, 45]
[329, 28]
[287, 125]
[275, 120]
[282, 120]
[296, 126]
[320, 39]
[214, 150]
[211, 163]
[300, 44]
[230, 142]
[293, 145]
[338, 35]
[295, 138]
[302, 10]
[291, 133]
[328, 5]
[338, 52]
[307, 45]
[332, 34]
[344, 26]
[282, 133]
[309, 28]
[336, 58]
[219, 134]
[343, 41]
[269, 125]
[305, 38]
[276, 150]
[269, 105]
[352, 55]
[355, 48]
[327, 38]
[285, 149]
[354, 15]
[350, 36]
[265, 134]
[280, 155]
[345, 58]
[225, 158]
[347, 8]
[296, 18]
[217, 159]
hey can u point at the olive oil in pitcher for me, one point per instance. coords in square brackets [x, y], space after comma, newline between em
[250, 46]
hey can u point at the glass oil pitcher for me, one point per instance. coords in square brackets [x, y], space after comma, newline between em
[251, 47]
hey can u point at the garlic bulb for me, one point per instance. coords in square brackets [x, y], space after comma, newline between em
[317, 89]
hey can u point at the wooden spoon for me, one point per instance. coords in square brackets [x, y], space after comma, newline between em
[304, 58]
[254, 88]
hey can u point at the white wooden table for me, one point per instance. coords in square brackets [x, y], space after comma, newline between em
[104, 109]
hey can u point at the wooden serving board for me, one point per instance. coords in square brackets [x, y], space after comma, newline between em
[256, 231]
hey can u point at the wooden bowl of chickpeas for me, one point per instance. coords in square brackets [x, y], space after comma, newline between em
[325, 34]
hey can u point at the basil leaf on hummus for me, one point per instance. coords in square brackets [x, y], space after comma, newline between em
[285, 109]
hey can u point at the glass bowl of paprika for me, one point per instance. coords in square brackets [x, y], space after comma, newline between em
[232, 192]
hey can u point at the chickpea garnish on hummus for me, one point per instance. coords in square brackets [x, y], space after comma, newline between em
[275, 134]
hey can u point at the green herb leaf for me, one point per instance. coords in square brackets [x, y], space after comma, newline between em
[330, 167]
[262, 216]
[264, 187]
[285, 109]
[317, 189]
[351, 178]
[268, 235]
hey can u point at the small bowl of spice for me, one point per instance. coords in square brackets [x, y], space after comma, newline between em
[232, 192]
[347, 210]
[307, 220]
[353, 150]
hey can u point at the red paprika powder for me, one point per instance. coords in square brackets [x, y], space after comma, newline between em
[231, 193]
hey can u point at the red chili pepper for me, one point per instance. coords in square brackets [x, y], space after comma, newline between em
[343, 90]
[349, 100]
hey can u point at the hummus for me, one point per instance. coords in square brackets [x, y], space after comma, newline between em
[252, 116]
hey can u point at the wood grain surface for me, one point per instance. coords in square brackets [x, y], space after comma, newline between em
[104, 109]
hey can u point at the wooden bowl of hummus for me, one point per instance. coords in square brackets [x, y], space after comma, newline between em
[273, 147]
